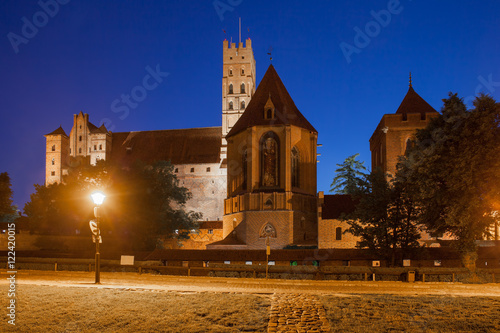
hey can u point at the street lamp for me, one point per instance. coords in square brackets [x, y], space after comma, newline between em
[97, 198]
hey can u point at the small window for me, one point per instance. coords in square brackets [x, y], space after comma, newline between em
[192, 169]
[242, 71]
[79, 150]
[242, 88]
[95, 147]
[52, 173]
[338, 233]
[100, 147]
[176, 170]
[230, 58]
[90, 150]
[208, 169]
[230, 72]
[80, 126]
[242, 57]
[53, 147]
[80, 138]
[231, 88]
[242, 105]
[210, 231]
[53, 161]
[230, 105]
[269, 114]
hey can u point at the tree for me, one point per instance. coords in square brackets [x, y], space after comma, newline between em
[143, 202]
[453, 168]
[8, 211]
[385, 217]
[349, 176]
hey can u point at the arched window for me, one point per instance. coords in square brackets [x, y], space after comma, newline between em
[53, 161]
[295, 167]
[242, 105]
[338, 233]
[242, 71]
[79, 150]
[230, 105]
[269, 148]
[53, 147]
[80, 138]
[231, 88]
[242, 88]
[230, 72]
[244, 169]
[100, 147]
[409, 146]
[269, 114]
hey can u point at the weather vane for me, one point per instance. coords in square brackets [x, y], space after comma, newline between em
[270, 53]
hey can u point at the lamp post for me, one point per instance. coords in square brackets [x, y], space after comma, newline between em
[97, 198]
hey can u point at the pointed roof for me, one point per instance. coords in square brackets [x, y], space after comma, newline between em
[58, 131]
[271, 88]
[413, 103]
[94, 129]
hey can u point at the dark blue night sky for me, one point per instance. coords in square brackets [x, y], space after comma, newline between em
[85, 54]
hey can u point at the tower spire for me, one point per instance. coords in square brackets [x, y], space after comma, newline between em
[410, 79]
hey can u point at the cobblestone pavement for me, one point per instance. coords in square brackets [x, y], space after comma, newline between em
[297, 313]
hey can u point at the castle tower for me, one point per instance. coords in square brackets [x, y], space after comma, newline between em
[271, 173]
[88, 141]
[79, 135]
[56, 156]
[395, 131]
[238, 86]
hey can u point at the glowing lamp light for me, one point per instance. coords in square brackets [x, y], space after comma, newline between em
[98, 197]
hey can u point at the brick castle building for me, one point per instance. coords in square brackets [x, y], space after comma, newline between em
[254, 177]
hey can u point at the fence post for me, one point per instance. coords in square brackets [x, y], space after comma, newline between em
[423, 277]
[189, 271]
[453, 277]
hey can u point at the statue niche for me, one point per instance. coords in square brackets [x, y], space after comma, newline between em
[270, 159]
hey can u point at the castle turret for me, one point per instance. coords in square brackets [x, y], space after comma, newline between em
[238, 86]
[56, 156]
[395, 131]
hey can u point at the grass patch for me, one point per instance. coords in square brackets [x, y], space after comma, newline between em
[392, 313]
[75, 309]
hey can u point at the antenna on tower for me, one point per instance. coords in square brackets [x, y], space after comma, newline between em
[240, 30]
[410, 79]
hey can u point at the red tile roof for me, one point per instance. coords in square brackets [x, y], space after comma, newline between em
[286, 112]
[182, 146]
[336, 204]
[413, 103]
[58, 131]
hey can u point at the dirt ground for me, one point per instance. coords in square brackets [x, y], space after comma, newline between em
[129, 302]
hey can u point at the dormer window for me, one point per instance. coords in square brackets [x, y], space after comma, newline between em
[231, 88]
[269, 114]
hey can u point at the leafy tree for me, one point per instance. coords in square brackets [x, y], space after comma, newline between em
[143, 202]
[453, 168]
[7, 209]
[385, 217]
[349, 176]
